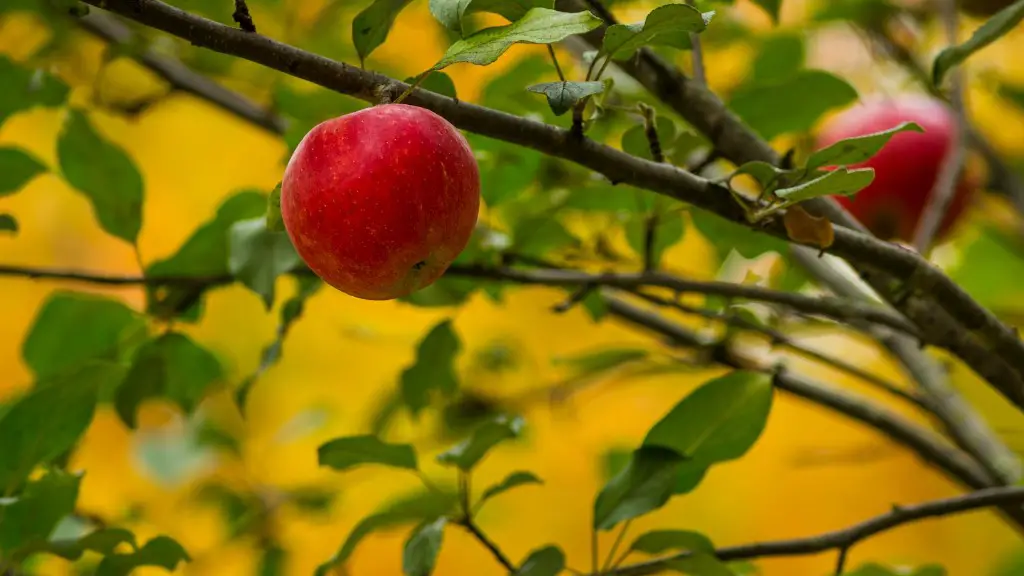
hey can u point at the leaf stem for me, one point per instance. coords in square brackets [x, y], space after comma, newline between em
[608, 562]
[554, 60]
[415, 85]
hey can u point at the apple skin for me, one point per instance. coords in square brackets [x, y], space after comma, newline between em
[983, 8]
[905, 168]
[379, 202]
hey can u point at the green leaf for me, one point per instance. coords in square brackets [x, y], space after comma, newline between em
[645, 484]
[450, 13]
[540, 235]
[352, 451]
[793, 104]
[438, 82]
[669, 21]
[987, 266]
[725, 236]
[101, 329]
[17, 167]
[257, 256]
[418, 507]
[434, 368]
[595, 305]
[25, 89]
[447, 291]
[204, 254]
[635, 142]
[857, 149]
[767, 175]
[170, 366]
[103, 541]
[161, 551]
[562, 96]
[468, 453]
[771, 7]
[513, 480]
[700, 564]
[590, 363]
[546, 561]
[371, 26]
[104, 173]
[420, 553]
[275, 223]
[667, 232]
[538, 26]
[858, 11]
[662, 541]
[29, 518]
[841, 181]
[8, 224]
[1002, 23]
[778, 57]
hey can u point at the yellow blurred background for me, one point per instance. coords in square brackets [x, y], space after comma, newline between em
[345, 355]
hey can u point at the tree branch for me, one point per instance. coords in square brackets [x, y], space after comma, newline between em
[988, 346]
[847, 537]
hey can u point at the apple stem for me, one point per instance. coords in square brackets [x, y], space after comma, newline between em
[415, 85]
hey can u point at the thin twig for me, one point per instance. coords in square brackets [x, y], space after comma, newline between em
[847, 537]
[470, 525]
[554, 60]
[948, 178]
[242, 16]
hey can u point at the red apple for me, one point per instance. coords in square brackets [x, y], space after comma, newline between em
[905, 168]
[379, 202]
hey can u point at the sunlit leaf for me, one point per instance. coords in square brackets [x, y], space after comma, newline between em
[671, 20]
[857, 149]
[17, 167]
[351, 451]
[469, 452]
[257, 256]
[433, 369]
[562, 96]
[1002, 23]
[451, 12]
[839, 182]
[371, 26]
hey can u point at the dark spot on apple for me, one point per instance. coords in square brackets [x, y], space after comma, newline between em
[419, 265]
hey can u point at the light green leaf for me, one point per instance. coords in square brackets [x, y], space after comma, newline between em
[419, 556]
[101, 330]
[667, 232]
[104, 173]
[841, 181]
[1003, 22]
[771, 7]
[562, 96]
[538, 26]
[662, 541]
[257, 256]
[857, 149]
[25, 89]
[8, 224]
[371, 26]
[161, 551]
[450, 13]
[170, 366]
[434, 368]
[17, 167]
[645, 484]
[546, 561]
[589, 363]
[275, 223]
[29, 518]
[513, 480]
[469, 452]
[352, 451]
[49, 419]
[792, 104]
[669, 21]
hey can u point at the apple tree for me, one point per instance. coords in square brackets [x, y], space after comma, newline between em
[577, 167]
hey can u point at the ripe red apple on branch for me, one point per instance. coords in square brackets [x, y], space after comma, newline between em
[906, 168]
[379, 202]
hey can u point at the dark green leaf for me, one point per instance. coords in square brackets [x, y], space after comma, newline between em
[170, 366]
[700, 564]
[17, 167]
[468, 453]
[513, 480]
[434, 368]
[274, 219]
[792, 104]
[645, 484]
[1002, 23]
[104, 541]
[420, 553]
[204, 254]
[25, 89]
[437, 82]
[447, 291]
[779, 56]
[667, 232]
[839, 182]
[49, 419]
[104, 173]
[1013, 93]
[411, 509]
[257, 256]
[590, 363]
[771, 7]
[30, 517]
[546, 561]
[857, 149]
[662, 541]
[860, 11]
[273, 561]
[371, 26]
[8, 224]
[595, 305]
[669, 21]
[449, 13]
[351, 451]
[161, 551]
[72, 328]
[562, 96]
[538, 26]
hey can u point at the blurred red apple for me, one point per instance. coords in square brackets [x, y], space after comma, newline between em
[983, 8]
[379, 202]
[905, 168]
